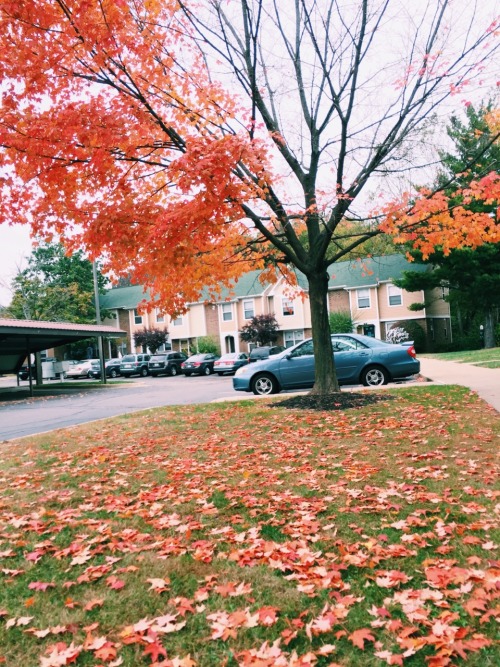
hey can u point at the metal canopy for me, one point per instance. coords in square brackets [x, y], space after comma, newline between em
[19, 338]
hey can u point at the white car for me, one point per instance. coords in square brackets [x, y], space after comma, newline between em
[82, 369]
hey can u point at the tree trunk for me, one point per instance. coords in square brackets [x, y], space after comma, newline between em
[489, 330]
[460, 323]
[325, 380]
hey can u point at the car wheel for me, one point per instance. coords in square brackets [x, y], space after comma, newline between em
[113, 373]
[265, 384]
[173, 370]
[374, 376]
[207, 370]
[144, 372]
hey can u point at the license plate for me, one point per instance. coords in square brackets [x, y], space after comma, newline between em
[127, 366]
[154, 365]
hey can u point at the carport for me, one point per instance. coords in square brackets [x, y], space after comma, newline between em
[21, 338]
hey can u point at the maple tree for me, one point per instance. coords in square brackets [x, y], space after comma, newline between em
[262, 329]
[182, 141]
[150, 338]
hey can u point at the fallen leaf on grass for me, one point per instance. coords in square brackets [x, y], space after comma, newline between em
[358, 637]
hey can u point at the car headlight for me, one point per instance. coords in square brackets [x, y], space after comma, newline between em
[241, 370]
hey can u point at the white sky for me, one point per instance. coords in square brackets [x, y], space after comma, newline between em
[15, 245]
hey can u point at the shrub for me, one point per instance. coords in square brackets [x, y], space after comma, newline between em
[397, 335]
[207, 345]
[412, 329]
[341, 322]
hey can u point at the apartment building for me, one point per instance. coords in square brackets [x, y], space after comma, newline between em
[363, 288]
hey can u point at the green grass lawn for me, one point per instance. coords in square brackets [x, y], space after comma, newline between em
[247, 534]
[486, 358]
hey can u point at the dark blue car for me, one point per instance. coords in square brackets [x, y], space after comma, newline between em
[358, 360]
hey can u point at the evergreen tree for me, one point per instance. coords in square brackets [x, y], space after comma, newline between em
[472, 276]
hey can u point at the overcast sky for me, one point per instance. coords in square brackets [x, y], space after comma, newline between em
[15, 244]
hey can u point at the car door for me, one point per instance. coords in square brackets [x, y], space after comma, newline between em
[350, 356]
[296, 369]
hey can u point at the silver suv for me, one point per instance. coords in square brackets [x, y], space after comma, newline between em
[134, 364]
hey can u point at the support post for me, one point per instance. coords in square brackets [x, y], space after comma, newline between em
[98, 321]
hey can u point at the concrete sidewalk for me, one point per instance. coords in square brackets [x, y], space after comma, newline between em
[484, 381]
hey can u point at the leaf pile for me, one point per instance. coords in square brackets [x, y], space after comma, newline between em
[246, 535]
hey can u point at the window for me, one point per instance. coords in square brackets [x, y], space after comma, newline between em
[304, 350]
[346, 344]
[287, 306]
[293, 337]
[227, 312]
[160, 317]
[137, 317]
[364, 298]
[177, 322]
[248, 309]
[395, 295]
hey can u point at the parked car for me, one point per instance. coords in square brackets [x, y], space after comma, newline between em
[82, 369]
[166, 363]
[229, 363]
[24, 372]
[134, 364]
[111, 366]
[199, 364]
[358, 359]
[264, 352]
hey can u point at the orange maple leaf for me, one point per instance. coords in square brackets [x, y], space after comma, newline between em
[358, 637]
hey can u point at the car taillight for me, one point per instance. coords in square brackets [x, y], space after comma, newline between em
[197, 363]
[411, 351]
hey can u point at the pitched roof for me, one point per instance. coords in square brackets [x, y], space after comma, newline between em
[247, 285]
[123, 297]
[349, 275]
[370, 271]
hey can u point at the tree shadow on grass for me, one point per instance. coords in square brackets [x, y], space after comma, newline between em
[338, 400]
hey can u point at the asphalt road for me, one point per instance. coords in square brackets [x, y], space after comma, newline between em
[22, 416]
[19, 418]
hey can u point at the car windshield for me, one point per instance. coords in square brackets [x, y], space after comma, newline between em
[128, 357]
[198, 357]
[157, 357]
[226, 357]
